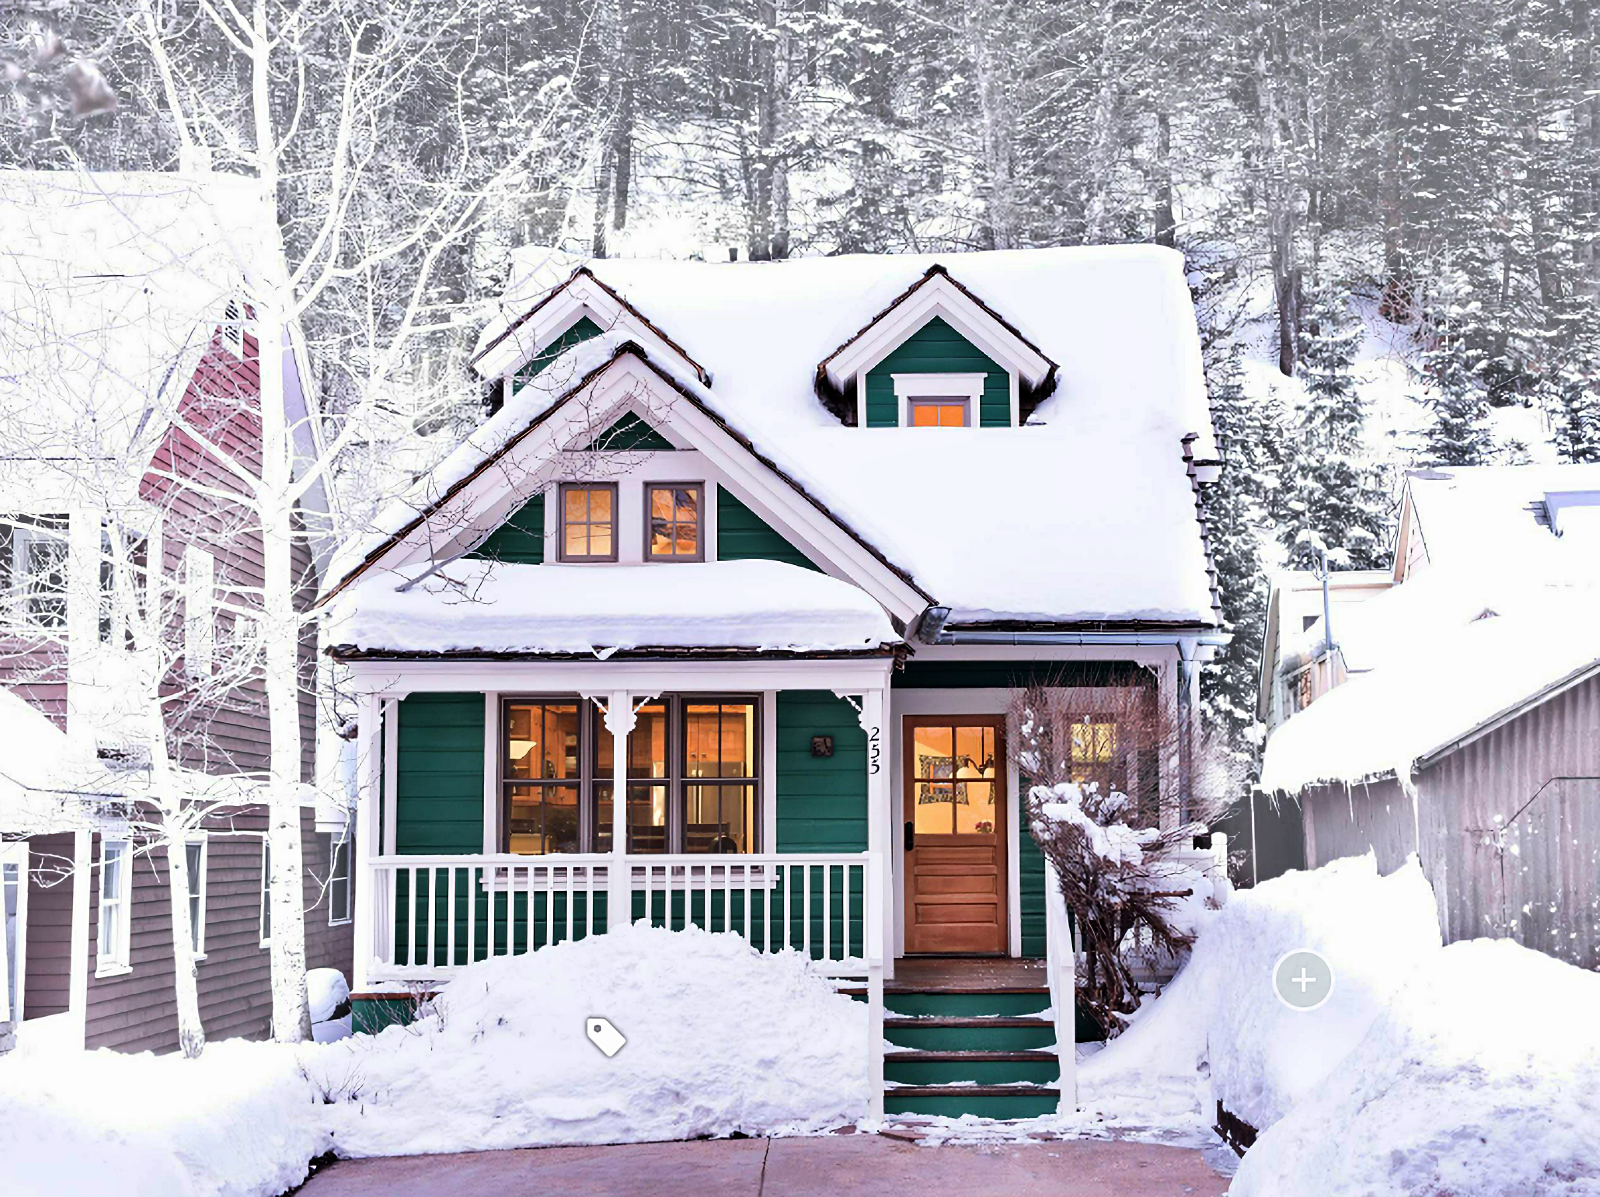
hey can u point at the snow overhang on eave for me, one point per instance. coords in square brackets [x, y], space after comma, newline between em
[937, 293]
[583, 294]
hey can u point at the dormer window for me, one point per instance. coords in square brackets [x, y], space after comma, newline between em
[938, 400]
[937, 413]
[672, 521]
[588, 521]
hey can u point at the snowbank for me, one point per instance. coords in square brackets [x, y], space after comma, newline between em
[721, 1039]
[1221, 1016]
[1481, 1079]
[499, 607]
[240, 1121]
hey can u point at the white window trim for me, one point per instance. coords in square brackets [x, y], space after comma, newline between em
[336, 840]
[198, 925]
[266, 891]
[908, 387]
[199, 612]
[231, 332]
[15, 853]
[120, 961]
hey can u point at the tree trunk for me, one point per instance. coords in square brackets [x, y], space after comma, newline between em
[1278, 189]
[185, 983]
[1166, 232]
[1586, 144]
[622, 128]
[995, 113]
[780, 127]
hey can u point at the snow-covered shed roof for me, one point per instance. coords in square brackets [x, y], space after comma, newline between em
[42, 772]
[1087, 514]
[1465, 513]
[1450, 650]
[494, 607]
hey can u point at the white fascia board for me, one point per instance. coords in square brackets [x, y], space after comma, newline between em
[397, 679]
[579, 298]
[938, 297]
[954, 386]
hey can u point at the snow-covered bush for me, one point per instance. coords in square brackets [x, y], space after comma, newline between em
[720, 1039]
[1481, 1078]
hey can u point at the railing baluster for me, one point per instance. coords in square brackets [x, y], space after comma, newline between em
[749, 933]
[827, 911]
[411, 922]
[805, 918]
[569, 903]
[472, 912]
[450, 920]
[549, 904]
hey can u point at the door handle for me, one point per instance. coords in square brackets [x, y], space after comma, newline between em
[911, 835]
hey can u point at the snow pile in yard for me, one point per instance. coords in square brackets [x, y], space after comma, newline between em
[1221, 1017]
[238, 1122]
[720, 1039]
[1481, 1079]
[494, 606]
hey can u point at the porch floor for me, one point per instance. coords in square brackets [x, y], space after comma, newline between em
[967, 974]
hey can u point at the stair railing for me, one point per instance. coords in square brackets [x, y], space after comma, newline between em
[1061, 963]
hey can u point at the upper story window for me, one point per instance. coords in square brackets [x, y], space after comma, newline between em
[588, 521]
[672, 521]
[938, 413]
[33, 570]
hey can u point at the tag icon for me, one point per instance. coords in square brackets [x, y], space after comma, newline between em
[604, 1036]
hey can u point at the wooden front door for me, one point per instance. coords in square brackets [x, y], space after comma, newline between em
[955, 825]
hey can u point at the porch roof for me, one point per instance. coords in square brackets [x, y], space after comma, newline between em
[493, 607]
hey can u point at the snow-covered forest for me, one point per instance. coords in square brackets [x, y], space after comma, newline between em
[1390, 213]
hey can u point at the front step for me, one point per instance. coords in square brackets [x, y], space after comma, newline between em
[984, 1049]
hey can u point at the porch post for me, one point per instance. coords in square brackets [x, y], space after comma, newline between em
[880, 815]
[619, 721]
[370, 764]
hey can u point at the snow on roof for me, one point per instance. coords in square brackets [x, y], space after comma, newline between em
[1469, 512]
[1086, 514]
[40, 770]
[487, 606]
[110, 287]
[1445, 654]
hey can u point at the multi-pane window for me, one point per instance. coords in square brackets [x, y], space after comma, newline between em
[112, 945]
[588, 521]
[692, 776]
[33, 570]
[937, 413]
[672, 521]
[266, 892]
[1094, 752]
[338, 877]
[195, 859]
[953, 772]
[542, 776]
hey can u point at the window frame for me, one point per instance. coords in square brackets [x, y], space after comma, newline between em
[230, 330]
[649, 486]
[199, 629]
[935, 387]
[197, 896]
[264, 924]
[117, 960]
[339, 845]
[22, 604]
[913, 402]
[562, 556]
[677, 780]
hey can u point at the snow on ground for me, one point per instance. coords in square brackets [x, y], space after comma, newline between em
[721, 1039]
[238, 1122]
[1481, 1079]
[503, 607]
[1219, 1031]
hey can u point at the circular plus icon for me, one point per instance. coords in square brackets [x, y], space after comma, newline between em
[1303, 979]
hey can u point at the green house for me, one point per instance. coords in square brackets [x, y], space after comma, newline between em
[768, 550]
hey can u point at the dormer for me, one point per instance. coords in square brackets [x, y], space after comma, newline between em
[579, 309]
[937, 357]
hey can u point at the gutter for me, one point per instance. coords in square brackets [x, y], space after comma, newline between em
[1065, 637]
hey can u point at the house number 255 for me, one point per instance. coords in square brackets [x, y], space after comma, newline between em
[874, 750]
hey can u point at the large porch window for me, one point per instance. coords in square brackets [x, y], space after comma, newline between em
[691, 768]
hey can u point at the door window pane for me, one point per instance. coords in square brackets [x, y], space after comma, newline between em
[954, 779]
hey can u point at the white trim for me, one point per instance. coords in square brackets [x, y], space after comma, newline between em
[232, 327]
[769, 772]
[117, 961]
[336, 841]
[78, 978]
[939, 386]
[197, 927]
[199, 611]
[491, 772]
[391, 772]
[14, 853]
[266, 891]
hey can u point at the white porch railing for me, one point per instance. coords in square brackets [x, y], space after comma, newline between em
[434, 915]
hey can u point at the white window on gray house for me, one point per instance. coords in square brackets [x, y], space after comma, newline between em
[266, 892]
[232, 332]
[199, 612]
[33, 570]
[339, 877]
[116, 862]
[195, 854]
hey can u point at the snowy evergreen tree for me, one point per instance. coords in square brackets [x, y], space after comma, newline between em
[1332, 499]
[1459, 432]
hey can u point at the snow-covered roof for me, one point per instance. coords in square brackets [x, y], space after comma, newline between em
[1086, 514]
[493, 607]
[1448, 651]
[110, 287]
[1466, 513]
[41, 771]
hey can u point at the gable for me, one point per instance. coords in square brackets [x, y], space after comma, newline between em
[630, 434]
[580, 332]
[519, 539]
[742, 535]
[937, 348]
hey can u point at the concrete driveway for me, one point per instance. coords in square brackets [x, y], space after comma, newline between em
[855, 1164]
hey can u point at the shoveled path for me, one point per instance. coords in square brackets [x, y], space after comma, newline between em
[844, 1164]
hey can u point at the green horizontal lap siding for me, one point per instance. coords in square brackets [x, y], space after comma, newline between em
[937, 348]
[576, 335]
[519, 539]
[742, 535]
[630, 434]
